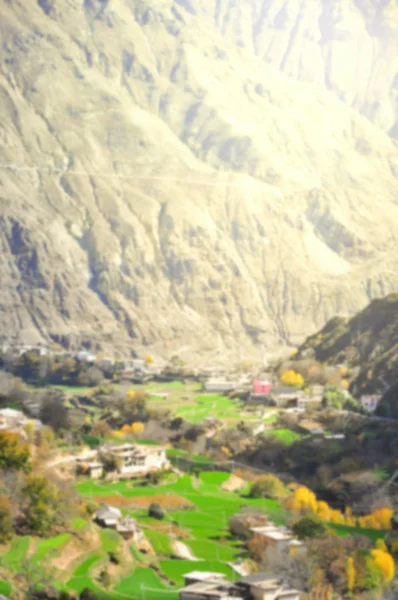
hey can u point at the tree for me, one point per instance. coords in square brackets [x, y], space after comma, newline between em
[53, 411]
[351, 574]
[137, 428]
[148, 359]
[267, 486]
[92, 377]
[41, 503]
[292, 379]
[258, 546]
[333, 397]
[33, 576]
[133, 406]
[101, 429]
[309, 527]
[87, 594]
[385, 562]
[156, 511]
[14, 453]
[6, 524]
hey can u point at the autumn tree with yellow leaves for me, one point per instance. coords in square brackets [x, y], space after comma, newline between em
[292, 379]
[385, 562]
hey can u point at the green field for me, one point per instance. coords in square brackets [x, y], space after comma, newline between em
[17, 553]
[145, 583]
[160, 541]
[176, 569]
[287, 436]
[49, 546]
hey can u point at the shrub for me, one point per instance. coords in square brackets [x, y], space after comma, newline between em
[156, 511]
[309, 527]
[267, 486]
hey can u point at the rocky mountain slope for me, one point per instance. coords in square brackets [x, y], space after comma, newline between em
[368, 342]
[194, 175]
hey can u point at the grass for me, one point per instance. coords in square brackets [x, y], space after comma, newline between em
[5, 588]
[44, 547]
[207, 550]
[85, 567]
[16, 554]
[287, 436]
[176, 569]
[78, 523]
[110, 540]
[344, 530]
[144, 582]
[160, 541]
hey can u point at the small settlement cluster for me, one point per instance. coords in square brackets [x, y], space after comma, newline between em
[136, 460]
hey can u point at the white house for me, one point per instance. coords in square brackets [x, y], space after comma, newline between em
[370, 403]
[112, 518]
[137, 459]
[220, 385]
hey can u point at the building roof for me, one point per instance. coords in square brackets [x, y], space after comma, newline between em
[204, 575]
[134, 449]
[108, 512]
[12, 413]
[266, 581]
[209, 588]
[127, 524]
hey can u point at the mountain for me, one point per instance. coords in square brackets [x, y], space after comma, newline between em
[368, 342]
[195, 175]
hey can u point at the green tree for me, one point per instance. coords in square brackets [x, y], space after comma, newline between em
[41, 503]
[156, 511]
[14, 453]
[333, 397]
[6, 525]
[267, 486]
[309, 527]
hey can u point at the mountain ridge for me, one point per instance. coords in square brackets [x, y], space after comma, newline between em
[156, 183]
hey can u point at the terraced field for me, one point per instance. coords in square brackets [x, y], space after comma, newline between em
[203, 528]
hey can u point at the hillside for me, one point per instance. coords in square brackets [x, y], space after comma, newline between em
[368, 342]
[189, 166]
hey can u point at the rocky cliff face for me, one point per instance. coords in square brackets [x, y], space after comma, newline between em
[194, 175]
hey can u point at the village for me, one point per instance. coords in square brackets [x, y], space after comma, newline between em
[170, 483]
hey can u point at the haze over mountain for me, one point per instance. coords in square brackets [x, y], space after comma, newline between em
[195, 174]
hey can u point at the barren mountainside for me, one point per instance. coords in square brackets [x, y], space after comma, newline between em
[195, 175]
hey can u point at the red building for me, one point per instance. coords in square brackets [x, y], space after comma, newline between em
[261, 387]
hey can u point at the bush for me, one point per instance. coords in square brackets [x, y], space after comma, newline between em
[309, 527]
[87, 594]
[156, 511]
[267, 486]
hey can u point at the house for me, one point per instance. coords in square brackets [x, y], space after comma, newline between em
[111, 517]
[263, 586]
[284, 396]
[261, 387]
[84, 356]
[311, 426]
[93, 469]
[280, 539]
[370, 403]
[214, 586]
[137, 459]
[15, 419]
[304, 401]
[108, 516]
[128, 528]
[219, 385]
